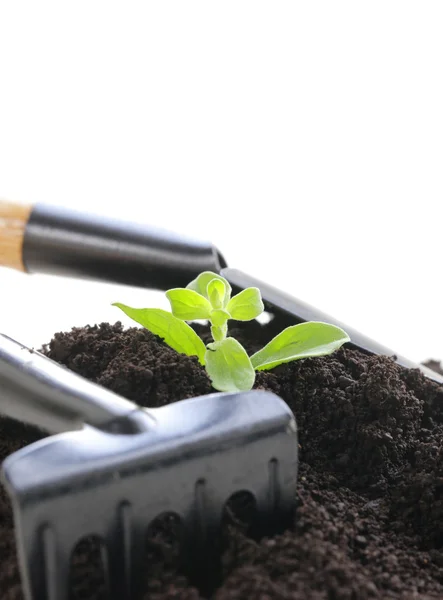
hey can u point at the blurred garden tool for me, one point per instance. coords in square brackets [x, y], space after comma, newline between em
[51, 239]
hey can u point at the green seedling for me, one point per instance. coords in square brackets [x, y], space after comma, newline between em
[227, 363]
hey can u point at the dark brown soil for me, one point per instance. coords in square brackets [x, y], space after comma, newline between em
[370, 495]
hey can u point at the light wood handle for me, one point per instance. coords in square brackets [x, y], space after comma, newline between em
[13, 220]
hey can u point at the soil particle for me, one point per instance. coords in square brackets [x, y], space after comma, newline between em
[369, 520]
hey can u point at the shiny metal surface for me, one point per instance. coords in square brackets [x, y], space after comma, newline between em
[65, 242]
[114, 478]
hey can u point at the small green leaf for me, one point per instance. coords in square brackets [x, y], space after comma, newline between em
[216, 291]
[246, 305]
[218, 317]
[200, 285]
[188, 304]
[229, 367]
[300, 341]
[177, 334]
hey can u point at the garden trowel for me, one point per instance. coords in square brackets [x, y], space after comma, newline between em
[50, 239]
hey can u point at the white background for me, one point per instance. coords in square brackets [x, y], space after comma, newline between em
[304, 139]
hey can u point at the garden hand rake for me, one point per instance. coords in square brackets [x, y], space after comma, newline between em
[125, 465]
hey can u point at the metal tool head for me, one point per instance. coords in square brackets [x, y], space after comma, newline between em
[187, 458]
[288, 310]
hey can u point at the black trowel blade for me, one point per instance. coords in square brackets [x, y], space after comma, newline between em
[296, 311]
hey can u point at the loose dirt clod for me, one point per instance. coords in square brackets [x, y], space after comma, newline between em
[370, 494]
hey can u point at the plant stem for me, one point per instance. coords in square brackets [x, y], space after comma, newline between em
[219, 333]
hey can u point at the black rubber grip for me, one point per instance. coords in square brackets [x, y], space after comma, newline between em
[66, 242]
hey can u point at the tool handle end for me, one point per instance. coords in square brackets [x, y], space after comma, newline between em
[13, 220]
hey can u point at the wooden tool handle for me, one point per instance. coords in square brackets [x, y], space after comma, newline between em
[13, 220]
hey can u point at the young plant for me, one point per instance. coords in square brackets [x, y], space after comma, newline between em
[226, 361]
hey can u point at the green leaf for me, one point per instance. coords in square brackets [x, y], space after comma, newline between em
[246, 305]
[218, 317]
[229, 367]
[188, 304]
[200, 285]
[177, 334]
[300, 341]
[216, 291]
